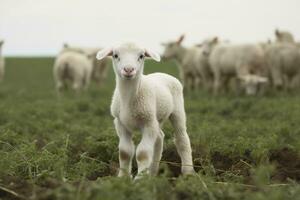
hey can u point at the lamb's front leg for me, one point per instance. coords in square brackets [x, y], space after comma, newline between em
[145, 150]
[126, 149]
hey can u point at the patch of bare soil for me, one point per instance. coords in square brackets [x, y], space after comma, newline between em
[287, 163]
[14, 188]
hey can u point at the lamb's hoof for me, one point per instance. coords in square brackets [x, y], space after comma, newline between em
[141, 175]
[121, 175]
[137, 178]
[188, 171]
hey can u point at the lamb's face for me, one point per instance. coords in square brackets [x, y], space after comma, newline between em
[128, 60]
[251, 83]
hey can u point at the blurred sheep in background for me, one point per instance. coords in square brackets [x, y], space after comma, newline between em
[100, 67]
[244, 63]
[283, 61]
[79, 66]
[74, 67]
[212, 65]
[192, 65]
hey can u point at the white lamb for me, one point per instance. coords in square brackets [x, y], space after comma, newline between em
[74, 67]
[145, 102]
[2, 64]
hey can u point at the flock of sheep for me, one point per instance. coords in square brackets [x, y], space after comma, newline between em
[251, 68]
[213, 65]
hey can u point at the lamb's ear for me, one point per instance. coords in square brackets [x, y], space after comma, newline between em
[180, 39]
[1, 42]
[153, 55]
[104, 53]
[66, 45]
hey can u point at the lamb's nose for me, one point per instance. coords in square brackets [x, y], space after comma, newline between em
[128, 70]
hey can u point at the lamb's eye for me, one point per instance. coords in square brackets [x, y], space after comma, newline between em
[116, 56]
[141, 56]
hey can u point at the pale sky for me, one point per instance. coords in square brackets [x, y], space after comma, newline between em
[40, 27]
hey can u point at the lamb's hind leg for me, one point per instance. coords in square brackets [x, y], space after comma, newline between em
[182, 140]
[157, 153]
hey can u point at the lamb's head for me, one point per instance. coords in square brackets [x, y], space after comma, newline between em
[173, 48]
[284, 36]
[251, 83]
[208, 45]
[128, 59]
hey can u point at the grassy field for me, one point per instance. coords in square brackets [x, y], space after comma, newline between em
[66, 148]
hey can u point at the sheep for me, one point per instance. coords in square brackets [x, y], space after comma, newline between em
[242, 62]
[284, 36]
[145, 102]
[192, 65]
[100, 68]
[2, 63]
[283, 61]
[72, 66]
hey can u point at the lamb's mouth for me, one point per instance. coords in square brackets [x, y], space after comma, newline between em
[128, 76]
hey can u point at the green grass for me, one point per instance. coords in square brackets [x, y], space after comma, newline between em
[66, 148]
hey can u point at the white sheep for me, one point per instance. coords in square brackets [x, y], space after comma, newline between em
[242, 62]
[100, 67]
[74, 67]
[145, 102]
[283, 61]
[193, 66]
[2, 64]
